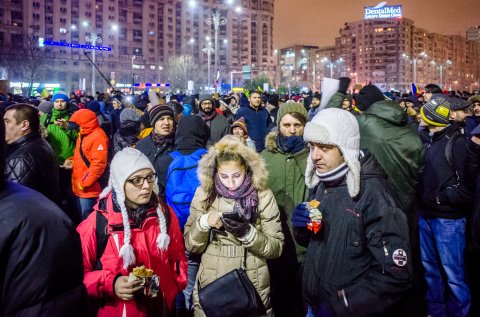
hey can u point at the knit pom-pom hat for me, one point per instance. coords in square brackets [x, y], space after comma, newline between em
[124, 164]
[340, 128]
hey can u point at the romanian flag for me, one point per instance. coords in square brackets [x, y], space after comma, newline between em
[415, 90]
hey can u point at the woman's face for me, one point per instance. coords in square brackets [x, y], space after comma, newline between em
[231, 174]
[139, 187]
[238, 131]
[164, 126]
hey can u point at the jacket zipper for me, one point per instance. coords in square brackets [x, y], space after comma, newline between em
[385, 251]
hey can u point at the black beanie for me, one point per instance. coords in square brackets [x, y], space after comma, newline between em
[273, 100]
[367, 96]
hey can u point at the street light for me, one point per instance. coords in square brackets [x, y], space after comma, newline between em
[448, 62]
[208, 50]
[216, 20]
[330, 64]
[414, 61]
[93, 38]
[133, 77]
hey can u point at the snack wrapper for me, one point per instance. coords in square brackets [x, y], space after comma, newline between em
[315, 215]
[148, 279]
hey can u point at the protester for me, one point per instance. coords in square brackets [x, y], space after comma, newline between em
[128, 130]
[89, 160]
[234, 181]
[239, 128]
[444, 201]
[358, 257]
[217, 123]
[285, 155]
[40, 267]
[137, 229]
[257, 119]
[314, 106]
[30, 159]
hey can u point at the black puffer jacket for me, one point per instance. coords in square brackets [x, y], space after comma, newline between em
[41, 271]
[32, 163]
[355, 249]
[443, 192]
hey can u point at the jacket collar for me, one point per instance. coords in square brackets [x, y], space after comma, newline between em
[23, 140]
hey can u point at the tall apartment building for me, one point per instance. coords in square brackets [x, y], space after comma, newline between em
[396, 52]
[473, 33]
[142, 35]
[293, 65]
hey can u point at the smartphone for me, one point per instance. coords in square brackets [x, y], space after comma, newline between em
[233, 215]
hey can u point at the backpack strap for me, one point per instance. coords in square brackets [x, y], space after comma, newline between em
[102, 238]
[48, 119]
[175, 154]
[84, 158]
[199, 153]
[449, 149]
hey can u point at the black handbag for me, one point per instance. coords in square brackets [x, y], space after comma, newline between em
[232, 295]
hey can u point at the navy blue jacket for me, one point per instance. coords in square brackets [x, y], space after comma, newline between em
[443, 192]
[258, 122]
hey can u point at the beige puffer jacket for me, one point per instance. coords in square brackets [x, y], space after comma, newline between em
[224, 254]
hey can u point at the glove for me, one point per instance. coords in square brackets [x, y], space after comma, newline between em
[344, 83]
[300, 216]
[238, 227]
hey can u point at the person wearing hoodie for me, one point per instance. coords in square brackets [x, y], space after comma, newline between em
[358, 261]
[314, 106]
[233, 182]
[286, 155]
[89, 159]
[128, 130]
[217, 123]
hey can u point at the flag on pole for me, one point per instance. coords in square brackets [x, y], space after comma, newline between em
[40, 88]
[217, 78]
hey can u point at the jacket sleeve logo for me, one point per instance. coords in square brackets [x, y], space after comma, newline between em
[399, 257]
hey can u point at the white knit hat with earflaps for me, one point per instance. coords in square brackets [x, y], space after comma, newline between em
[124, 164]
[340, 128]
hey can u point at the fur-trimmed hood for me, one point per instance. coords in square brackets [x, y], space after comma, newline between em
[474, 98]
[271, 142]
[207, 168]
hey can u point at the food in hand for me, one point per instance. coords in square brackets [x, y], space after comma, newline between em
[142, 271]
[148, 279]
[315, 215]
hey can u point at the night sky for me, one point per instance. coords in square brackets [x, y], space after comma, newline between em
[317, 22]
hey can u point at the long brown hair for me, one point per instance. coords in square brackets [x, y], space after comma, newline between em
[220, 159]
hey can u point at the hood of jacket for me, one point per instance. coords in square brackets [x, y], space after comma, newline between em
[192, 134]
[474, 98]
[255, 164]
[370, 168]
[86, 119]
[389, 111]
[271, 143]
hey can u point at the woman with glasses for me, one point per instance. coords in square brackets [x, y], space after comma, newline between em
[129, 228]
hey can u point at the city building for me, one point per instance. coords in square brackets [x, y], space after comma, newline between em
[293, 61]
[473, 33]
[138, 40]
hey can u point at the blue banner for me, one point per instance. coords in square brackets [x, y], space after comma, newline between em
[73, 45]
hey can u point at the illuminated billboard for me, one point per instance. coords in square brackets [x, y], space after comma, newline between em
[382, 11]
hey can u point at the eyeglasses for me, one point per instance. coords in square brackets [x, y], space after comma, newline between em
[138, 181]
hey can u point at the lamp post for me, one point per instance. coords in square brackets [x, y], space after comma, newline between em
[330, 64]
[448, 62]
[93, 38]
[216, 20]
[133, 77]
[414, 62]
[208, 50]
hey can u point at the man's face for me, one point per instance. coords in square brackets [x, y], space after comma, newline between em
[233, 101]
[325, 157]
[426, 96]
[459, 115]
[60, 104]
[315, 103]
[476, 109]
[255, 100]
[14, 130]
[290, 126]
[207, 106]
[164, 126]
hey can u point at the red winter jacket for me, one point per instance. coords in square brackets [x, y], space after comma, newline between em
[170, 265]
[95, 148]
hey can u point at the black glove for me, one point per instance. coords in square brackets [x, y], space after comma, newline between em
[237, 225]
[344, 83]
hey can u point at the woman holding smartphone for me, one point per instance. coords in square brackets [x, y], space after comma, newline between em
[233, 211]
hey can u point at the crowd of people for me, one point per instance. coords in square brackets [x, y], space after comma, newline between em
[140, 205]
